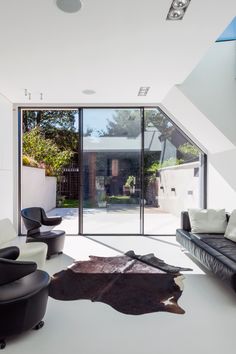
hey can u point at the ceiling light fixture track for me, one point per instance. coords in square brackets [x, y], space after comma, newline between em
[29, 95]
[177, 9]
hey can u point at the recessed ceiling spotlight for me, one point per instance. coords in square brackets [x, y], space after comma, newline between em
[143, 90]
[180, 4]
[69, 6]
[177, 9]
[175, 14]
[89, 92]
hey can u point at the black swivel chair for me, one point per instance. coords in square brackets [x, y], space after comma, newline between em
[33, 219]
[23, 295]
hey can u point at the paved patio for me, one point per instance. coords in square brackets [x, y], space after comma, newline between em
[115, 219]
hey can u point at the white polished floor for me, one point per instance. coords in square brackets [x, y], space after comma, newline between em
[117, 219]
[83, 327]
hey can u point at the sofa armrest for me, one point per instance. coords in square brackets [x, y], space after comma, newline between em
[185, 221]
[50, 220]
[9, 252]
[13, 270]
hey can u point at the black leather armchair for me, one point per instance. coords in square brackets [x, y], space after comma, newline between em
[23, 295]
[33, 219]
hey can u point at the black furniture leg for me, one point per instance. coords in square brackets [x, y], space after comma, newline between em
[39, 325]
[2, 343]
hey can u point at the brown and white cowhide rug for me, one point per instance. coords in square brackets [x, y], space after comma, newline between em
[131, 284]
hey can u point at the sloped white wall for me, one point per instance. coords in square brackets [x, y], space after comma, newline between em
[212, 87]
[6, 159]
[205, 106]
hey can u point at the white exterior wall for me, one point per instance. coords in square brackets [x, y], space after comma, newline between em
[205, 107]
[6, 159]
[180, 177]
[37, 189]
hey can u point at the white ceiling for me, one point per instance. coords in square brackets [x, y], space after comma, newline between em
[110, 46]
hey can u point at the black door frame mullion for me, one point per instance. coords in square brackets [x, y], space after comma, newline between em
[203, 180]
[142, 173]
[20, 134]
[81, 175]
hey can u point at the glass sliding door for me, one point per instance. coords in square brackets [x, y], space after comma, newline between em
[50, 164]
[109, 170]
[172, 171]
[112, 143]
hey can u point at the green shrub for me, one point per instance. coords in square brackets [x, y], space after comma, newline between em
[171, 162]
[189, 152]
[154, 167]
[130, 181]
[122, 199]
[45, 152]
[28, 161]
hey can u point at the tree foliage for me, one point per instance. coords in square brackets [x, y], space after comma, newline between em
[57, 125]
[123, 123]
[189, 152]
[127, 122]
[44, 152]
[156, 119]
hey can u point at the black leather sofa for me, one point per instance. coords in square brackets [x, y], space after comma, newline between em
[214, 251]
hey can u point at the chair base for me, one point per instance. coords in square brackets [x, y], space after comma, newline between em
[2, 344]
[49, 257]
[37, 327]
[54, 239]
[23, 304]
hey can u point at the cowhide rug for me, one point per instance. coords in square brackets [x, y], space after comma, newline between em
[131, 284]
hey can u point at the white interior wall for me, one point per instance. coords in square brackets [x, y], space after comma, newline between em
[205, 106]
[6, 159]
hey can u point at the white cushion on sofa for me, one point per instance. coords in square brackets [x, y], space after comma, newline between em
[33, 251]
[7, 231]
[230, 232]
[208, 220]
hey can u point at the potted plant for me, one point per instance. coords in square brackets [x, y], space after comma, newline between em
[129, 186]
[102, 199]
[60, 200]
